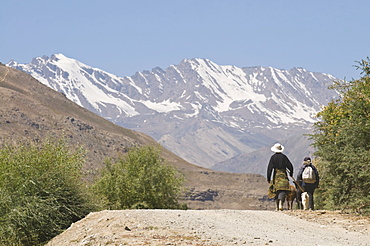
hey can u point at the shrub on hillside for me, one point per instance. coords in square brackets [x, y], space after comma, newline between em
[141, 179]
[41, 192]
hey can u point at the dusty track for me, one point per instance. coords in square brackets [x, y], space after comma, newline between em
[216, 227]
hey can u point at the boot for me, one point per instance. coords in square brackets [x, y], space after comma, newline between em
[277, 204]
[281, 205]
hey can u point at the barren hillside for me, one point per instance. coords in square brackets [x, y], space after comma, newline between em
[30, 110]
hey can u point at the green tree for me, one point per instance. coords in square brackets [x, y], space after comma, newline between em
[342, 140]
[41, 192]
[141, 179]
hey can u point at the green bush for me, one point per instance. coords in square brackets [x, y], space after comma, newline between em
[41, 192]
[141, 179]
[343, 149]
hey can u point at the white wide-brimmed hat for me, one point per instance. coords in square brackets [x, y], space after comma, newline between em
[277, 148]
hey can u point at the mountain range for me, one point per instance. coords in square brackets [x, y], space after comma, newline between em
[31, 111]
[216, 116]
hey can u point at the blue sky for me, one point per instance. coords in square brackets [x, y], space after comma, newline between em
[123, 37]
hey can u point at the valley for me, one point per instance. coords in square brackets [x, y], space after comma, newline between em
[220, 117]
[33, 111]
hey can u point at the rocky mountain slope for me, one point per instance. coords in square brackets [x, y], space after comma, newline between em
[31, 110]
[205, 113]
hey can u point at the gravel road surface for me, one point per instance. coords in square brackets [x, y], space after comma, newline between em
[215, 227]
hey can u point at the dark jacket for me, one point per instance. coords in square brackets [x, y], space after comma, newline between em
[299, 175]
[279, 161]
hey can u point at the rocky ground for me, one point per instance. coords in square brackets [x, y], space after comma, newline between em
[217, 227]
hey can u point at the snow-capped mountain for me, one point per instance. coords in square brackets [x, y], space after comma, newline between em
[201, 111]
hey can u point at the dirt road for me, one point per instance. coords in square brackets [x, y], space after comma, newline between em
[216, 227]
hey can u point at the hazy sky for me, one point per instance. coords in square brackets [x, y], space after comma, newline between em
[123, 37]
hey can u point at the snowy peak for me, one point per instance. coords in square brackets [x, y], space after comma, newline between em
[87, 86]
[201, 111]
[283, 96]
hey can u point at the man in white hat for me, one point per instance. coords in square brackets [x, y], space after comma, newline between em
[279, 163]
